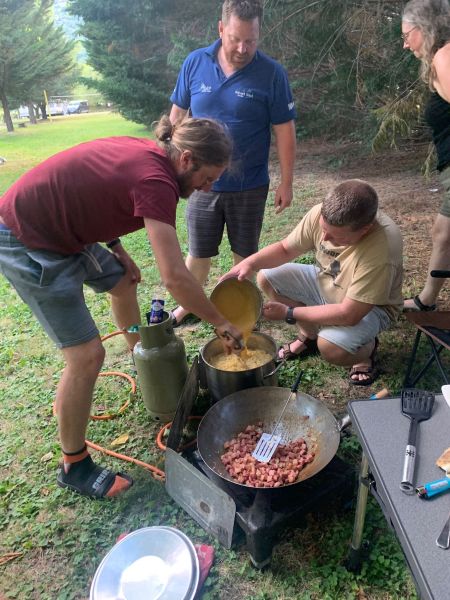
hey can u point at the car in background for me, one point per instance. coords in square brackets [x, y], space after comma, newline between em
[77, 106]
[56, 108]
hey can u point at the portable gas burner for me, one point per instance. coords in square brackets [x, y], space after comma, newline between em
[230, 511]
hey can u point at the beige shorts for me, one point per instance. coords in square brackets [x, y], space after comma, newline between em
[299, 283]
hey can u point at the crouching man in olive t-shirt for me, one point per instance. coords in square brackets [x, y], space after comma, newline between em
[350, 295]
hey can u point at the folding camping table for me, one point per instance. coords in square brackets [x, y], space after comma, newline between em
[383, 431]
[435, 327]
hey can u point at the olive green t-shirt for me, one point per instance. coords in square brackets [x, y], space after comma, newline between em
[369, 271]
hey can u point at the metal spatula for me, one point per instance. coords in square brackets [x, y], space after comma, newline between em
[268, 442]
[418, 406]
[443, 540]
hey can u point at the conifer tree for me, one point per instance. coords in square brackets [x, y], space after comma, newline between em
[33, 52]
[137, 46]
[344, 57]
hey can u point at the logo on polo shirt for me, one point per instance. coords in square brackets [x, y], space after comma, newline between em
[291, 105]
[245, 93]
[205, 89]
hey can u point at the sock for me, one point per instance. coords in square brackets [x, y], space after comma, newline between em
[72, 458]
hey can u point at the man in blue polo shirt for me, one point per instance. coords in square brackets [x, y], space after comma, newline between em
[236, 83]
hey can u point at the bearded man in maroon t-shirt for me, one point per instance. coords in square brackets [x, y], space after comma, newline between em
[51, 222]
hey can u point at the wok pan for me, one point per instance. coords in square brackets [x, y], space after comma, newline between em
[305, 417]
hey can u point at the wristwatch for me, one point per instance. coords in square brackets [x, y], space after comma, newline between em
[290, 316]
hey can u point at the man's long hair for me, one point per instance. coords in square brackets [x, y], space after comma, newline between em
[208, 140]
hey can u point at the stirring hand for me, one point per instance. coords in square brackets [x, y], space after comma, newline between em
[226, 335]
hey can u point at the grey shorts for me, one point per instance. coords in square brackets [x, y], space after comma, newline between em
[444, 177]
[242, 212]
[52, 285]
[300, 284]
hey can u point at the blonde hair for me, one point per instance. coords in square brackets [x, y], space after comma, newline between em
[207, 140]
[432, 17]
[352, 203]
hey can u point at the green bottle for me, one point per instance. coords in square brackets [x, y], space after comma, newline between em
[162, 368]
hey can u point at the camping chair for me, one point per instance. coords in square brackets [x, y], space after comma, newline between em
[436, 328]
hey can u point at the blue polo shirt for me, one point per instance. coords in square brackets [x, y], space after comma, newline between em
[248, 102]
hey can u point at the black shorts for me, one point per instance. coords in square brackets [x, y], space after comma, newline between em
[242, 212]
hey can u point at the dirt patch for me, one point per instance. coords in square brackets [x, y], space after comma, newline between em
[409, 198]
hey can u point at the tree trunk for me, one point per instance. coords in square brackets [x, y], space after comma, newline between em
[31, 113]
[6, 113]
[43, 110]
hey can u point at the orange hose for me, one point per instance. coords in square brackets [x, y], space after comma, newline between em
[155, 471]
[110, 335]
[161, 432]
[118, 374]
[125, 405]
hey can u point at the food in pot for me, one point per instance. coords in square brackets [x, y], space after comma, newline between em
[248, 359]
[283, 468]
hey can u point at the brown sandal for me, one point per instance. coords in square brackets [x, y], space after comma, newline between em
[310, 349]
[371, 371]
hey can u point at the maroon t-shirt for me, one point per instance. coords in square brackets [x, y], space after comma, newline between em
[94, 192]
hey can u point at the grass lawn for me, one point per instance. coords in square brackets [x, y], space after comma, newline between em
[60, 538]
[30, 145]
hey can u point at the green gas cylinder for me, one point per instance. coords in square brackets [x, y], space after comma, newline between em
[162, 368]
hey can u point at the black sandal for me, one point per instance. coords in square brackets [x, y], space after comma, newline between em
[88, 479]
[420, 305]
[371, 371]
[311, 349]
[190, 318]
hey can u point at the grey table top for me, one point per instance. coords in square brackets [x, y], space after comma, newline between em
[383, 432]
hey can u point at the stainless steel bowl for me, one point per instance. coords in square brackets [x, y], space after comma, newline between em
[222, 383]
[153, 563]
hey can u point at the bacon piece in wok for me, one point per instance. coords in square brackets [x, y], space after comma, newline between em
[283, 468]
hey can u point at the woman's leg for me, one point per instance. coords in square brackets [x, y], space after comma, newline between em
[439, 259]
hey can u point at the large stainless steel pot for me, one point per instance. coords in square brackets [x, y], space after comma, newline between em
[222, 383]
[304, 417]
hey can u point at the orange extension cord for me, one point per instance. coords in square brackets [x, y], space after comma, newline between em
[155, 471]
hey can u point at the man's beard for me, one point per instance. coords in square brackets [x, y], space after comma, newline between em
[185, 184]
